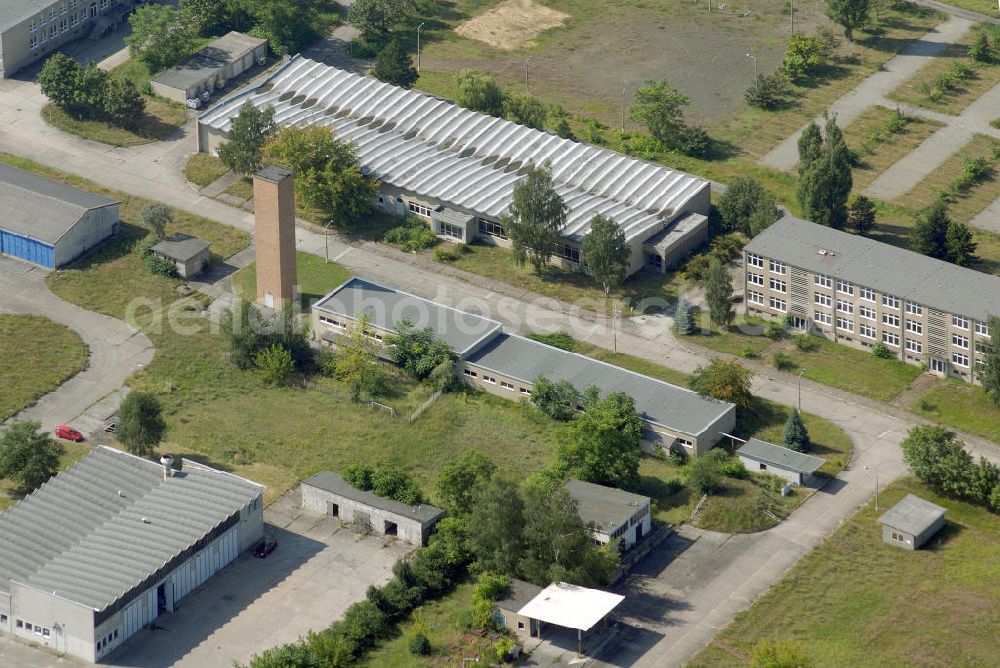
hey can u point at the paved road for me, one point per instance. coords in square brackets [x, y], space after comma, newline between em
[116, 349]
[747, 567]
[958, 11]
[874, 89]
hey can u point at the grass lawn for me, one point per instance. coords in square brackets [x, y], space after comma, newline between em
[645, 290]
[855, 601]
[884, 148]
[915, 89]
[202, 169]
[746, 334]
[852, 370]
[316, 278]
[987, 7]
[961, 406]
[970, 202]
[241, 188]
[36, 357]
[439, 620]
[160, 120]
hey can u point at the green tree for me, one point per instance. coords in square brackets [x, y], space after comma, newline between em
[606, 252]
[805, 54]
[374, 18]
[394, 65]
[391, 482]
[930, 235]
[287, 24]
[526, 110]
[558, 400]
[251, 128]
[207, 17]
[564, 130]
[59, 80]
[156, 217]
[161, 36]
[684, 318]
[497, 515]
[984, 478]
[328, 176]
[703, 474]
[457, 481]
[355, 362]
[480, 92]
[763, 216]
[121, 104]
[795, 435]
[825, 182]
[741, 199]
[358, 476]
[981, 50]
[810, 145]
[602, 444]
[861, 215]
[780, 654]
[418, 351]
[274, 364]
[289, 655]
[719, 292]
[140, 423]
[960, 245]
[28, 456]
[938, 459]
[767, 91]
[240, 331]
[536, 215]
[989, 374]
[727, 380]
[850, 14]
[660, 108]
[91, 91]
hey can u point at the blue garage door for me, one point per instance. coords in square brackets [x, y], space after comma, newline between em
[27, 249]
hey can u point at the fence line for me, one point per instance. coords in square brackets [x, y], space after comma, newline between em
[424, 406]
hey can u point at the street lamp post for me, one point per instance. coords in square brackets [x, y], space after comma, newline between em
[614, 327]
[526, 74]
[418, 46]
[876, 486]
[750, 55]
[801, 371]
[791, 13]
[624, 86]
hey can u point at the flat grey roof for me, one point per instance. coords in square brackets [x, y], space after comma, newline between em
[329, 481]
[387, 307]
[180, 247]
[780, 456]
[273, 173]
[607, 507]
[82, 536]
[40, 208]
[656, 401]
[675, 232]
[518, 596]
[213, 57]
[453, 216]
[912, 515]
[882, 267]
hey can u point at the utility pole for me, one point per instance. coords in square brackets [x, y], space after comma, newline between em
[801, 371]
[526, 90]
[624, 86]
[418, 47]
[791, 13]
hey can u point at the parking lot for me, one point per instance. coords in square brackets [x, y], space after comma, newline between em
[317, 571]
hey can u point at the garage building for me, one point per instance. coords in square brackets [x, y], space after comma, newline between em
[50, 223]
[328, 493]
[911, 522]
[188, 254]
[225, 58]
[105, 547]
[763, 457]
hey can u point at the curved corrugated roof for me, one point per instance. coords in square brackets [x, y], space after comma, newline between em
[430, 147]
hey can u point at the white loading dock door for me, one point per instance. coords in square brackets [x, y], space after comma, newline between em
[139, 612]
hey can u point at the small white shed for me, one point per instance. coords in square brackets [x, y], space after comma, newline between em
[763, 457]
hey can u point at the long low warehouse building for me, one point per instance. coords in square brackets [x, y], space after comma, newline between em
[105, 547]
[457, 168]
[507, 365]
[50, 223]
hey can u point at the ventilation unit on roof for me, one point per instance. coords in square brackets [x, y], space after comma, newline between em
[824, 252]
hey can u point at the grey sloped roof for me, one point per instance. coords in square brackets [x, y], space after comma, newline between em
[607, 507]
[180, 247]
[432, 147]
[656, 401]
[880, 267]
[40, 208]
[518, 595]
[213, 57]
[912, 515]
[333, 483]
[780, 456]
[386, 307]
[77, 537]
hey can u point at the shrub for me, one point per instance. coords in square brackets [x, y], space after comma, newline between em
[274, 364]
[805, 342]
[413, 235]
[806, 54]
[445, 255]
[733, 468]
[767, 91]
[749, 353]
[774, 330]
[563, 340]
[557, 399]
[419, 645]
[782, 362]
[694, 141]
[981, 50]
[881, 351]
[677, 456]
[703, 474]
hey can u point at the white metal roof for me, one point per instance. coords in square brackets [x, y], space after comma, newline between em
[431, 147]
[571, 606]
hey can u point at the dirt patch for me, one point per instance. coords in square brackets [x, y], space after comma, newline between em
[511, 24]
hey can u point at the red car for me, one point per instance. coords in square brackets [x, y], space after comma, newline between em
[70, 434]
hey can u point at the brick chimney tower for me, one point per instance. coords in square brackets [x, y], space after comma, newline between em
[274, 224]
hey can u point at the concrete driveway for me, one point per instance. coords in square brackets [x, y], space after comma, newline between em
[116, 349]
[318, 570]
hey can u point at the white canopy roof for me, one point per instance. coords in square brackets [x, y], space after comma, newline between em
[571, 606]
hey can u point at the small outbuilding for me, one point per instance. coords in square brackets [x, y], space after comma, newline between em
[571, 607]
[508, 610]
[763, 457]
[208, 69]
[326, 492]
[613, 513]
[911, 522]
[189, 254]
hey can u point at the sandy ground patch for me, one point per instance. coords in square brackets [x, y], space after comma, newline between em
[511, 23]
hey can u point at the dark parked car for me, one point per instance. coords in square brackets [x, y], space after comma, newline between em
[264, 548]
[70, 434]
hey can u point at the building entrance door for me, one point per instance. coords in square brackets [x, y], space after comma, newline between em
[937, 366]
